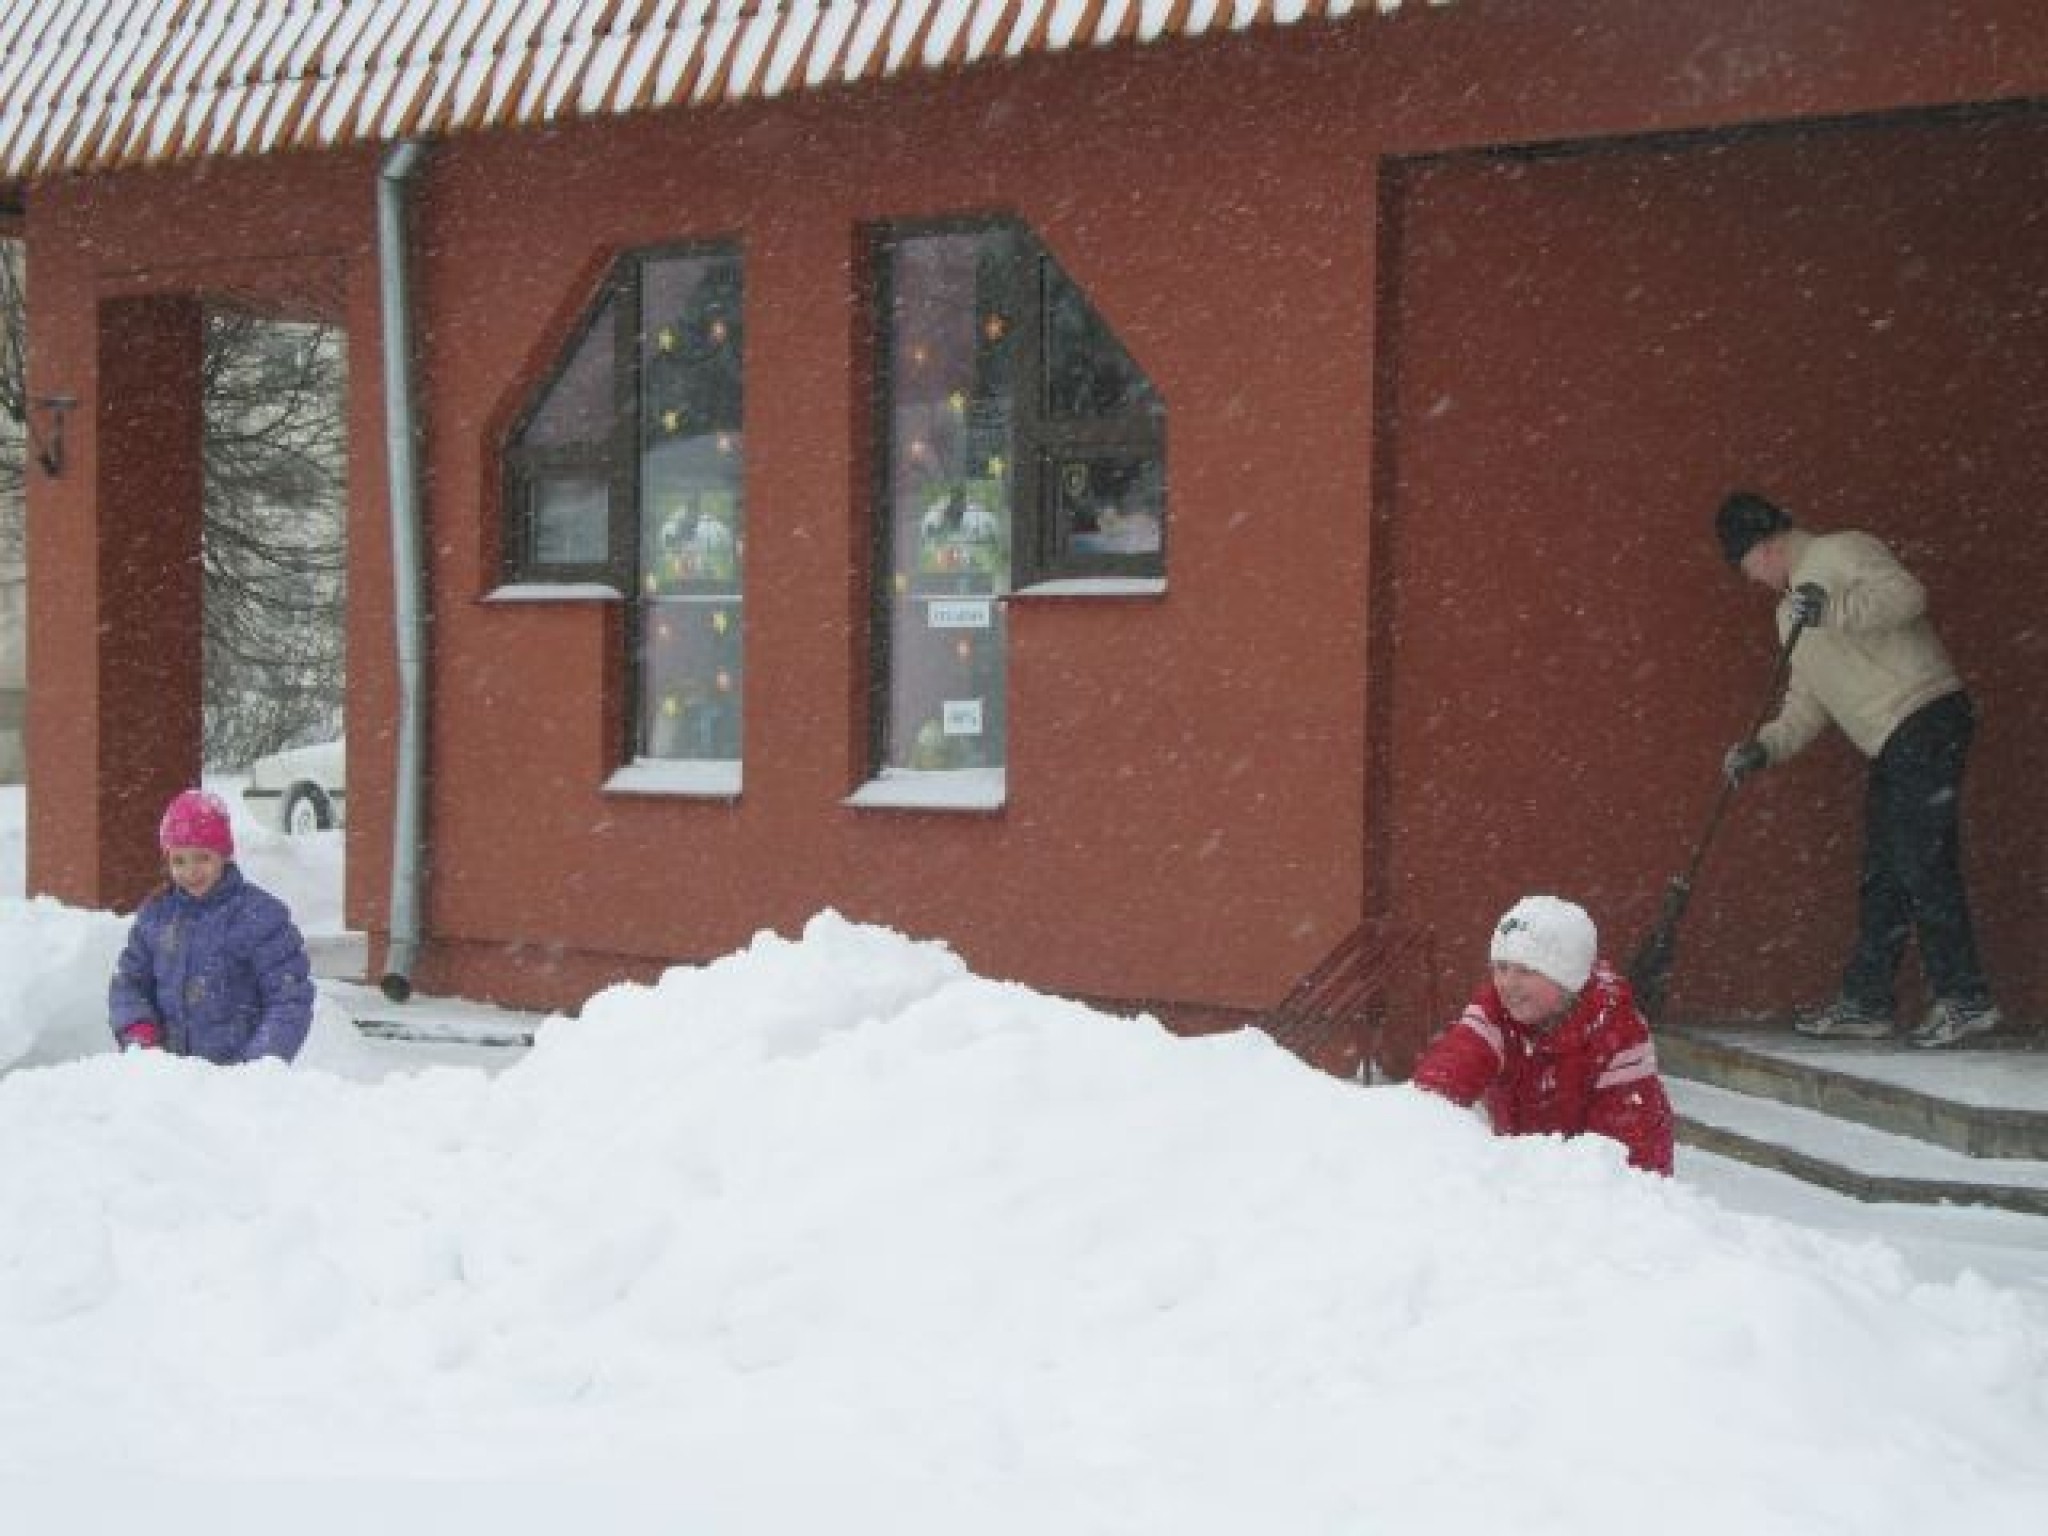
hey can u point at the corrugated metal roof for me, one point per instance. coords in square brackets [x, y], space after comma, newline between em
[93, 84]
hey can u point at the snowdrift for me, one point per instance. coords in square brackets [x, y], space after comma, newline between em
[833, 1233]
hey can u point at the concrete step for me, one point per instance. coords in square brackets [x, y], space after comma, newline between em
[1851, 1158]
[431, 1020]
[1989, 1103]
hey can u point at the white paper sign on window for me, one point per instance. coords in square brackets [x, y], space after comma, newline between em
[961, 717]
[959, 613]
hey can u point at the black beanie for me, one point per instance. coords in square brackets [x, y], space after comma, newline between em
[1745, 521]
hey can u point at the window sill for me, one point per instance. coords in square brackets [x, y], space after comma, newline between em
[953, 789]
[692, 779]
[1096, 586]
[555, 592]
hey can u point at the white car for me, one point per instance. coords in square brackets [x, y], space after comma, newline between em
[300, 790]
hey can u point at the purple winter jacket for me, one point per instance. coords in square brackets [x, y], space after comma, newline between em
[225, 975]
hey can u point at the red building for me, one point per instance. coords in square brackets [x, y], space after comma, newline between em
[1130, 491]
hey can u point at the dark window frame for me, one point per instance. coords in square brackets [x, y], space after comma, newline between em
[611, 460]
[614, 459]
[1044, 552]
[1040, 547]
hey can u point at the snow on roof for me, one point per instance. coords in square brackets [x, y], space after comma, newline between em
[95, 84]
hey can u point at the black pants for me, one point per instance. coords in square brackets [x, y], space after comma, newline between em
[1912, 862]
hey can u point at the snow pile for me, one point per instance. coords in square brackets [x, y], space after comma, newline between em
[13, 839]
[55, 962]
[833, 1233]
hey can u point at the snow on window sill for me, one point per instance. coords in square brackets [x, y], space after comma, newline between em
[665, 776]
[555, 592]
[1096, 586]
[953, 789]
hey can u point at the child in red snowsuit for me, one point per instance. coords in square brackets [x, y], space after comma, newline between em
[1553, 1043]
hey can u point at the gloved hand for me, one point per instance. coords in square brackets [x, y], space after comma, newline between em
[1743, 759]
[1807, 602]
[142, 1035]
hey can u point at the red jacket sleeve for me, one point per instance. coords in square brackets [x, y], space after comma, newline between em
[1629, 1103]
[1462, 1062]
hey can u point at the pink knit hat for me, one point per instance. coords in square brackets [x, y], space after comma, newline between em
[197, 818]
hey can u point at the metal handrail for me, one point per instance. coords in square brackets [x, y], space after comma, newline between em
[1338, 1015]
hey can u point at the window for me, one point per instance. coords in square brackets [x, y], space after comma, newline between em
[565, 463]
[627, 471]
[1099, 441]
[1019, 444]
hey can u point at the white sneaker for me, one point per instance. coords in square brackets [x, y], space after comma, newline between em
[1949, 1022]
[1846, 1019]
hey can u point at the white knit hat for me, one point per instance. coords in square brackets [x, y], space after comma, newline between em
[1550, 936]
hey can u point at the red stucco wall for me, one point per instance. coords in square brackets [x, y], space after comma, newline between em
[1593, 350]
[118, 268]
[1189, 775]
[1186, 778]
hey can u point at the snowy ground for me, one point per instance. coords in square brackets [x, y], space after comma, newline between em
[834, 1235]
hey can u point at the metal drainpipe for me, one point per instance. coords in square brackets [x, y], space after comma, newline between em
[401, 427]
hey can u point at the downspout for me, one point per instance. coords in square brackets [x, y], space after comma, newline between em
[401, 437]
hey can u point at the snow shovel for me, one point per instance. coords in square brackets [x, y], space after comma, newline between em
[1649, 973]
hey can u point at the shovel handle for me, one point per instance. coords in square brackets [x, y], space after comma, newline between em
[1779, 672]
[1651, 969]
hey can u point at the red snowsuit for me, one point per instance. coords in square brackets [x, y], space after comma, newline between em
[1596, 1071]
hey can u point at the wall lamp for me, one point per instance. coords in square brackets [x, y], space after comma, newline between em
[48, 445]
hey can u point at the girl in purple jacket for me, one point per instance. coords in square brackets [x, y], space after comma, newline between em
[214, 966]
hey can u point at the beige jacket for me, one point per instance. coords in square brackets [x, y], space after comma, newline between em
[1871, 661]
